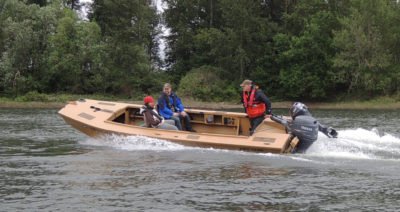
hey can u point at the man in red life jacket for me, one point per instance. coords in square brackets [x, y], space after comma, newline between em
[256, 104]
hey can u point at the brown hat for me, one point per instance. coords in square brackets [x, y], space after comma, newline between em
[167, 85]
[246, 82]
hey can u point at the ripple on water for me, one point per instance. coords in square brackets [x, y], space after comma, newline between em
[47, 165]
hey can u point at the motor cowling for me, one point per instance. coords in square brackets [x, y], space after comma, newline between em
[304, 127]
[299, 109]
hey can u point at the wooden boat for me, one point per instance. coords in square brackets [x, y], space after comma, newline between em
[216, 129]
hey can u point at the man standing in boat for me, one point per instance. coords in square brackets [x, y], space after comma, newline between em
[256, 104]
[170, 107]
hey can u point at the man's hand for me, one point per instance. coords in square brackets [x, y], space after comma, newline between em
[183, 113]
[176, 114]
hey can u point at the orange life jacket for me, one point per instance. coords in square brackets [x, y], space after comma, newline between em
[253, 108]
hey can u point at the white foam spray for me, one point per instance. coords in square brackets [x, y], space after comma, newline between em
[358, 144]
[352, 143]
[134, 143]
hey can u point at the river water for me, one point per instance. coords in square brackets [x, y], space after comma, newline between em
[46, 165]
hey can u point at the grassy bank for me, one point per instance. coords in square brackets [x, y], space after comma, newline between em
[34, 100]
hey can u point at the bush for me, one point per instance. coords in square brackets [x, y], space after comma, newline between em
[204, 84]
[33, 96]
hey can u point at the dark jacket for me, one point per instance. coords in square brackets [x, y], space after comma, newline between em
[260, 97]
[167, 105]
[151, 117]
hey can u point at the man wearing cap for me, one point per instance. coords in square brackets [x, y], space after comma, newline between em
[256, 104]
[170, 107]
[151, 117]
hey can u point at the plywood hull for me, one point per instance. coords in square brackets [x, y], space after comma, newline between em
[228, 131]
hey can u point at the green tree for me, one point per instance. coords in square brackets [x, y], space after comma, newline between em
[73, 4]
[3, 17]
[26, 29]
[91, 55]
[185, 18]
[305, 54]
[41, 3]
[243, 32]
[204, 84]
[63, 63]
[75, 57]
[364, 43]
[128, 30]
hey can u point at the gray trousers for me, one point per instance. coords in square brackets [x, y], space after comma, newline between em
[167, 125]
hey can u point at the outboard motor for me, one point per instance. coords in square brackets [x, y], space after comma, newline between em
[303, 126]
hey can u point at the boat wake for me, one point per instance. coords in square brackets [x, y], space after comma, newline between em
[135, 143]
[357, 144]
[353, 143]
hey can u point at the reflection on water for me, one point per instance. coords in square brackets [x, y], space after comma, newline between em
[47, 165]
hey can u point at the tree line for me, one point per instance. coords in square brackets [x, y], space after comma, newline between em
[292, 49]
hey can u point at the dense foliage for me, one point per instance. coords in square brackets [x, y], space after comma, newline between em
[293, 49]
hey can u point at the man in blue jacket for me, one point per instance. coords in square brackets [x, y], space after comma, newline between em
[170, 107]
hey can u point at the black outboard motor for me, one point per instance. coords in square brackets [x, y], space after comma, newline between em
[303, 126]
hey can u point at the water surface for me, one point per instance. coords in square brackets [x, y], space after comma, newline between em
[47, 165]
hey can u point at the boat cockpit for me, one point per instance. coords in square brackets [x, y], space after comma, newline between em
[214, 122]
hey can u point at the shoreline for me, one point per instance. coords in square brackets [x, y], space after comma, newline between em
[374, 105]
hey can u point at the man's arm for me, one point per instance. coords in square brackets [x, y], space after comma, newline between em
[241, 100]
[179, 104]
[262, 97]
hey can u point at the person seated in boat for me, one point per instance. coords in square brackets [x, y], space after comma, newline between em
[170, 107]
[152, 118]
[256, 104]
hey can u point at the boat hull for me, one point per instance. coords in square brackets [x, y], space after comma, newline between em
[119, 119]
